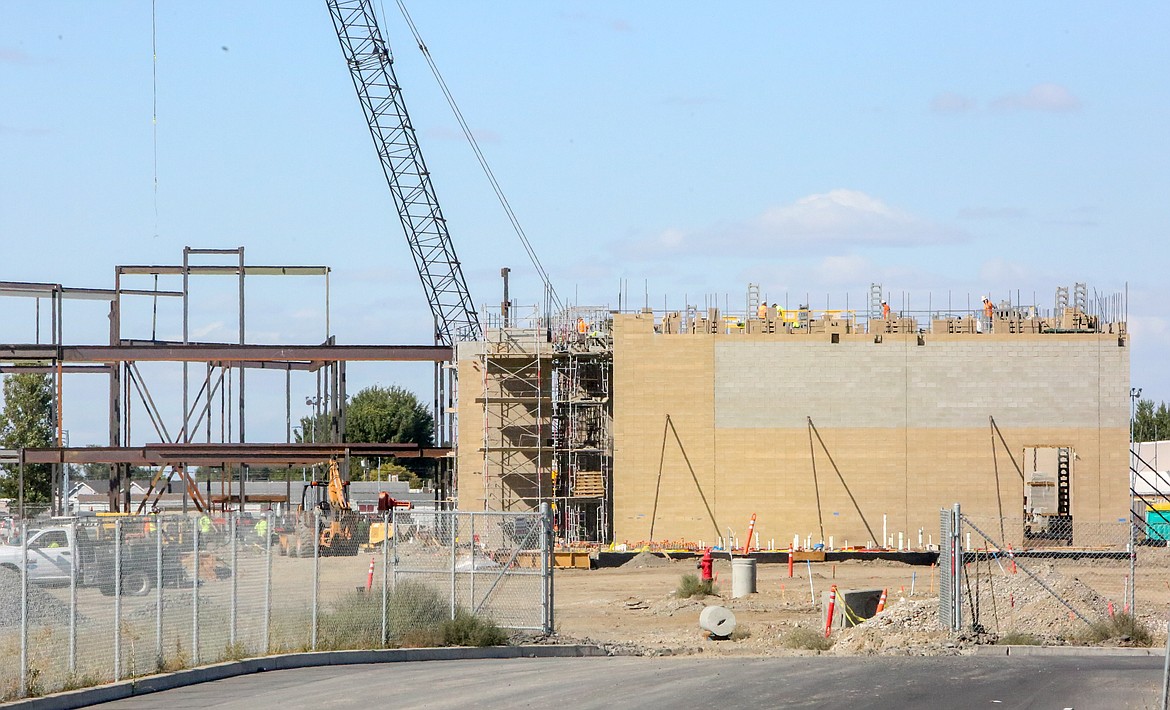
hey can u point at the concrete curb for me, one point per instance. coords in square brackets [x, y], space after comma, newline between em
[1065, 651]
[203, 674]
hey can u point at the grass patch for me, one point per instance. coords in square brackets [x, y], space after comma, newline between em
[1019, 638]
[175, 661]
[807, 639]
[77, 682]
[1121, 627]
[691, 586]
[234, 652]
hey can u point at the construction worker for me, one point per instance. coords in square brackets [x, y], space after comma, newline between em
[988, 312]
[762, 311]
[205, 524]
[262, 529]
[582, 329]
[885, 311]
[777, 312]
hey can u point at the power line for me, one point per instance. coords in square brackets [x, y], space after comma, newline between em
[516, 226]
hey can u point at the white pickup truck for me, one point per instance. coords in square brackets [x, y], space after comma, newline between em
[56, 554]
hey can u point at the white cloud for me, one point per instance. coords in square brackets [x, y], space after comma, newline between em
[949, 102]
[814, 223]
[1000, 271]
[981, 213]
[1149, 329]
[1041, 97]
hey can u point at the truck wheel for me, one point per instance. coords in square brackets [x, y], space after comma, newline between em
[136, 584]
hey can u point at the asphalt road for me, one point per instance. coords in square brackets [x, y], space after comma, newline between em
[1081, 682]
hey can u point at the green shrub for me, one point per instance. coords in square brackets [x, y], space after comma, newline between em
[1122, 627]
[467, 629]
[416, 616]
[807, 639]
[691, 586]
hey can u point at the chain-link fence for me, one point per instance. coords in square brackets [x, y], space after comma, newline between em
[1050, 580]
[95, 600]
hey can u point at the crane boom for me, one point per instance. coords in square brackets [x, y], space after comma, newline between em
[371, 65]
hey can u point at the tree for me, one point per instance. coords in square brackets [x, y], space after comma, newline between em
[380, 415]
[388, 415]
[1150, 423]
[26, 421]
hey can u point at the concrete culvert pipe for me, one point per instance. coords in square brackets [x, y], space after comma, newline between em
[717, 620]
[743, 577]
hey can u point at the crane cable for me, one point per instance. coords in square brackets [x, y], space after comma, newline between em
[479, 155]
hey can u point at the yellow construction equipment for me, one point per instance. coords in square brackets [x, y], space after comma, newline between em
[325, 514]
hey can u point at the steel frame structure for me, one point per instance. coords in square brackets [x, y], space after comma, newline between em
[223, 367]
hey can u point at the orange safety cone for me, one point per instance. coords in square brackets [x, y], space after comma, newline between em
[1012, 558]
[370, 576]
[790, 560]
[747, 546]
[1110, 608]
[829, 617]
[881, 602]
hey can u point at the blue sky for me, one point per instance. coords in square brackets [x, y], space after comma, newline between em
[690, 148]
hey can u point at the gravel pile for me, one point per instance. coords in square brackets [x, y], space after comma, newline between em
[43, 608]
[647, 559]
[172, 602]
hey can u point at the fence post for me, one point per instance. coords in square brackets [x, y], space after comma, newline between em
[267, 579]
[233, 528]
[1166, 673]
[471, 536]
[956, 543]
[158, 591]
[118, 599]
[394, 549]
[316, 575]
[1132, 564]
[386, 533]
[546, 568]
[23, 608]
[73, 562]
[195, 593]
[453, 520]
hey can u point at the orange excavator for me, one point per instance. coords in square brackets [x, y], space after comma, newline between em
[326, 509]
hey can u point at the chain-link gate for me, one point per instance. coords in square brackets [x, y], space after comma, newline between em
[1011, 579]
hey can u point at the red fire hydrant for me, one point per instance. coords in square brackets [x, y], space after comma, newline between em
[705, 565]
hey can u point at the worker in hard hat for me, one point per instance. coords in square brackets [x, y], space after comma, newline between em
[988, 311]
[885, 311]
[762, 311]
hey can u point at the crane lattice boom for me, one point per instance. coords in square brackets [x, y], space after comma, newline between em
[371, 66]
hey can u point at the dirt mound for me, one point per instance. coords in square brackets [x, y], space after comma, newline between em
[43, 607]
[646, 559]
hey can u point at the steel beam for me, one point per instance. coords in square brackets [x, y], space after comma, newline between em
[234, 354]
[217, 454]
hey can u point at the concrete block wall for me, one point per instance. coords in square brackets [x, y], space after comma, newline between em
[907, 425]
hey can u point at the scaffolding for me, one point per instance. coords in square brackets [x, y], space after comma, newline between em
[547, 418]
[516, 366]
[582, 426]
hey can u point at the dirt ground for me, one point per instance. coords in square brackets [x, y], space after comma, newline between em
[635, 609]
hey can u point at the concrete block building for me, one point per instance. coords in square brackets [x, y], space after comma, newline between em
[817, 425]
